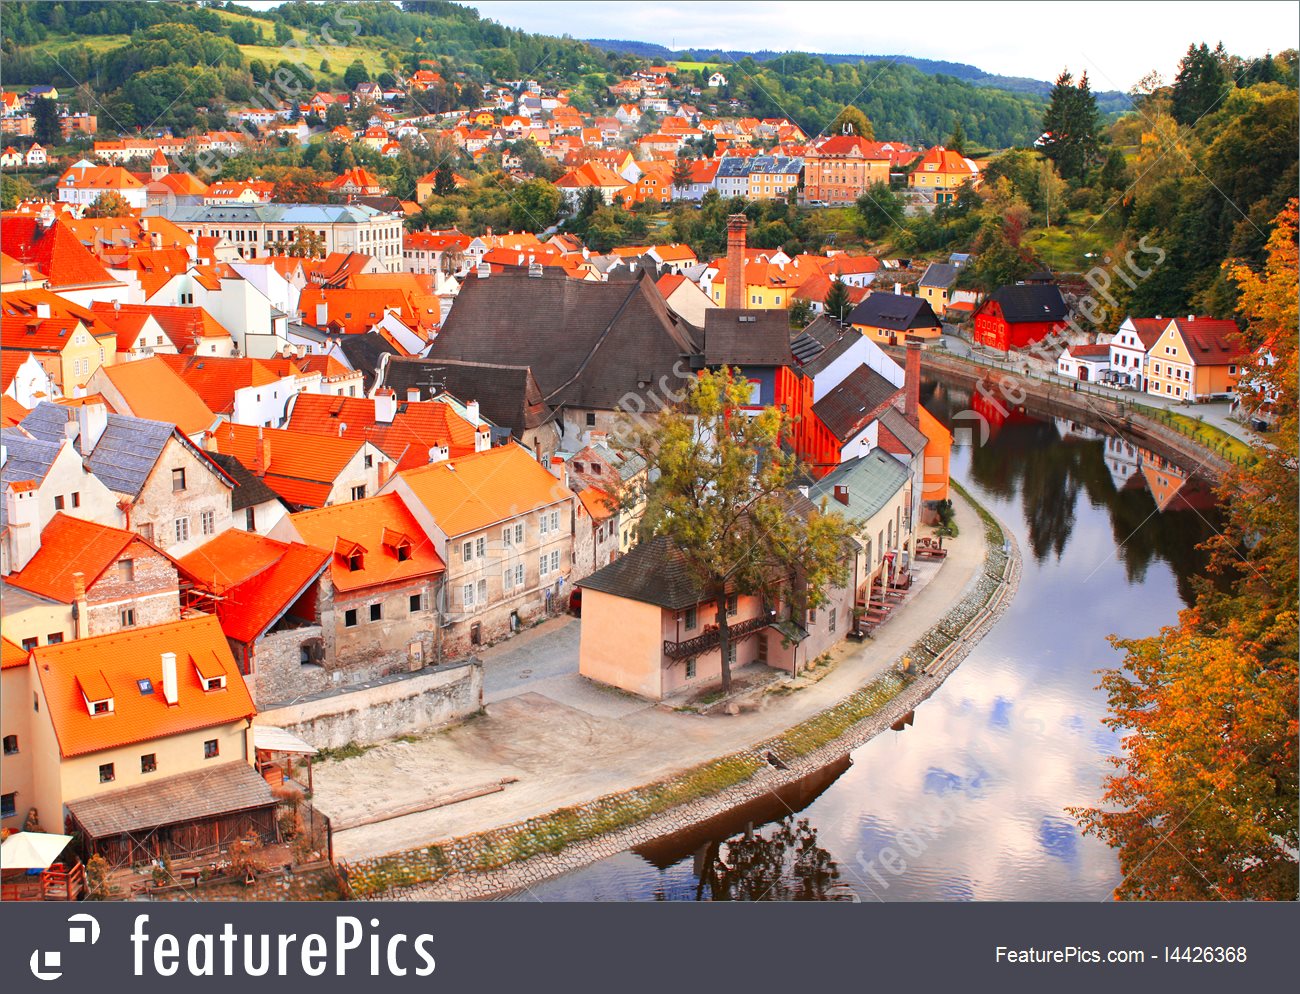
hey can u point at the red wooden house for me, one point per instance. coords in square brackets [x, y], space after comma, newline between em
[1016, 316]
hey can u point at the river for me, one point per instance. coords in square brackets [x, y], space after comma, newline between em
[969, 803]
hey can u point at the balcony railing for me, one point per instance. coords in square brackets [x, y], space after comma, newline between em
[710, 637]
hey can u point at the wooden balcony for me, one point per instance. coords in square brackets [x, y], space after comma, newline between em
[711, 637]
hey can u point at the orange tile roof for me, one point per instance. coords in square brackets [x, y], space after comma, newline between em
[257, 578]
[469, 494]
[375, 526]
[946, 161]
[11, 655]
[416, 426]
[11, 412]
[301, 467]
[115, 663]
[10, 360]
[185, 326]
[153, 390]
[599, 504]
[71, 545]
[216, 378]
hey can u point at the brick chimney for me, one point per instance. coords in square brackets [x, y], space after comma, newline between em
[261, 455]
[79, 605]
[736, 295]
[912, 382]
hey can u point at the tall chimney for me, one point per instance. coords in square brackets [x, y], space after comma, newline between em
[261, 455]
[81, 624]
[92, 419]
[385, 406]
[912, 382]
[471, 412]
[736, 291]
[558, 470]
[24, 523]
[482, 438]
[171, 693]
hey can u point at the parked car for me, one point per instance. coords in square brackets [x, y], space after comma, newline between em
[575, 602]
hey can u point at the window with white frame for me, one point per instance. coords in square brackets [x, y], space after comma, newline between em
[505, 536]
[208, 522]
[182, 529]
[544, 525]
[545, 564]
[467, 551]
[467, 595]
[480, 546]
[480, 595]
[555, 560]
[555, 521]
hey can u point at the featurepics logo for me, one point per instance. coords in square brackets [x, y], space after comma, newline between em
[234, 954]
[47, 964]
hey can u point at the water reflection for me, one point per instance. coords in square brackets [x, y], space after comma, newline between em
[969, 804]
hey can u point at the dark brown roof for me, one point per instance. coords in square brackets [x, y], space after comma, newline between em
[588, 344]
[848, 408]
[833, 350]
[508, 396]
[654, 572]
[895, 311]
[250, 489]
[185, 797]
[735, 337]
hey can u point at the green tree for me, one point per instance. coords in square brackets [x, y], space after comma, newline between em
[335, 115]
[1199, 86]
[721, 492]
[681, 175]
[355, 74]
[837, 303]
[855, 121]
[880, 209]
[282, 33]
[444, 180]
[1071, 127]
[535, 205]
[957, 139]
[46, 128]
[14, 190]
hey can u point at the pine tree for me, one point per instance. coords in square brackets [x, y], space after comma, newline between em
[957, 140]
[1199, 86]
[1070, 126]
[46, 128]
[836, 303]
[444, 180]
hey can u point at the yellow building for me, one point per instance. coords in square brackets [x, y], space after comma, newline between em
[124, 711]
[67, 339]
[943, 172]
[1195, 358]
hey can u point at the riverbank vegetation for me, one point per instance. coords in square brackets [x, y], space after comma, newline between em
[1203, 803]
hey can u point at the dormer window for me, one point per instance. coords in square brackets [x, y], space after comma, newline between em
[355, 562]
[100, 707]
[404, 552]
[214, 683]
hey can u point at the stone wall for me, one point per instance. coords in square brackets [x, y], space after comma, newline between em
[402, 706]
[152, 591]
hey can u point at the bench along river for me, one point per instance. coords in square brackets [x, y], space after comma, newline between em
[969, 802]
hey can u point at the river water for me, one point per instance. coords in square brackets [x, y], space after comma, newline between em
[970, 802]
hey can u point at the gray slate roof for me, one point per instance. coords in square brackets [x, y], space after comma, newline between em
[895, 311]
[26, 458]
[939, 274]
[250, 489]
[185, 797]
[269, 213]
[508, 396]
[125, 454]
[872, 481]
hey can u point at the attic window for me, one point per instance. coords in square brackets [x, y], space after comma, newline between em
[214, 682]
[100, 707]
[355, 562]
[145, 685]
[404, 552]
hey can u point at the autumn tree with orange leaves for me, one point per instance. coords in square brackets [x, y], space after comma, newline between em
[1203, 803]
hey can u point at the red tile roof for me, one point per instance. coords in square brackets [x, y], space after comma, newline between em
[300, 467]
[113, 665]
[55, 251]
[216, 378]
[257, 578]
[11, 655]
[416, 426]
[70, 545]
[1211, 341]
[599, 504]
[378, 527]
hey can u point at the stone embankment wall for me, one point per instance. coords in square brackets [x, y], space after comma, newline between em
[518, 856]
[1058, 400]
[384, 710]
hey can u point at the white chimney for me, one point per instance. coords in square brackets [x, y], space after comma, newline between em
[898, 289]
[43, 309]
[471, 412]
[171, 692]
[24, 525]
[558, 470]
[439, 453]
[385, 406]
[322, 314]
[412, 395]
[482, 438]
[92, 419]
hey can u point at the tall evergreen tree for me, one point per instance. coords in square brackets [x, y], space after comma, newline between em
[1199, 86]
[957, 140]
[1071, 126]
[837, 301]
[46, 128]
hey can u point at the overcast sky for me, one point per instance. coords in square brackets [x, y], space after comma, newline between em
[1117, 43]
